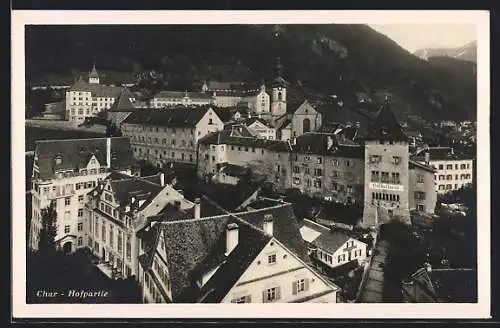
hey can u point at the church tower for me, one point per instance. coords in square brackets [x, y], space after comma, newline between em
[94, 76]
[278, 98]
[386, 172]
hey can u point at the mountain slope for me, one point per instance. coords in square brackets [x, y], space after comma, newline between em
[466, 52]
[318, 60]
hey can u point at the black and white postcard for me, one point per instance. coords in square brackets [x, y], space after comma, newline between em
[219, 164]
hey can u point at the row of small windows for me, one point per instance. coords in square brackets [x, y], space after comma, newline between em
[375, 159]
[274, 293]
[450, 166]
[457, 177]
[385, 197]
[163, 155]
[163, 141]
[385, 177]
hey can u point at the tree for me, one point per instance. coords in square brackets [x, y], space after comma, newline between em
[112, 130]
[47, 243]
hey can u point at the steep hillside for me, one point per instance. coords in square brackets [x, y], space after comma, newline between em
[466, 52]
[318, 60]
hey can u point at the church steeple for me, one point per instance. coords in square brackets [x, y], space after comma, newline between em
[278, 98]
[94, 76]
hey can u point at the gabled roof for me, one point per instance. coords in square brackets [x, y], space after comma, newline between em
[439, 154]
[233, 170]
[188, 261]
[93, 73]
[326, 144]
[252, 120]
[123, 102]
[182, 94]
[218, 85]
[75, 154]
[329, 240]
[385, 126]
[134, 188]
[419, 288]
[226, 137]
[97, 90]
[414, 164]
[168, 117]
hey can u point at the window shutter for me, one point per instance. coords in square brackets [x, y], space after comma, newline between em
[294, 288]
[264, 298]
[306, 284]
[248, 299]
[278, 293]
[233, 301]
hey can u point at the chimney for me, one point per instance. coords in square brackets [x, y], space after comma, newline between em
[268, 224]
[132, 200]
[427, 158]
[197, 208]
[108, 152]
[294, 140]
[162, 179]
[231, 237]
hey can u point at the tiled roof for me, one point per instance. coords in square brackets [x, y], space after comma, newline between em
[251, 120]
[419, 289]
[182, 94]
[123, 102]
[94, 73]
[196, 246]
[385, 126]
[318, 143]
[170, 117]
[97, 90]
[233, 170]
[439, 154]
[224, 137]
[75, 154]
[329, 239]
[413, 164]
[218, 85]
[138, 188]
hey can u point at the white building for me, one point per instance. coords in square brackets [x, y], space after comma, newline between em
[179, 98]
[332, 248]
[453, 171]
[260, 128]
[64, 171]
[87, 99]
[253, 256]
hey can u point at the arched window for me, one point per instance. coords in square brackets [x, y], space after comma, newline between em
[280, 96]
[306, 125]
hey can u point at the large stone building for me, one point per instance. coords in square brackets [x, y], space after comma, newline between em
[453, 171]
[252, 256]
[375, 171]
[179, 98]
[116, 210]
[63, 173]
[393, 184]
[87, 99]
[161, 136]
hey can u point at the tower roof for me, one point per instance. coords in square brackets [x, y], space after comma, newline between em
[386, 126]
[279, 81]
[94, 73]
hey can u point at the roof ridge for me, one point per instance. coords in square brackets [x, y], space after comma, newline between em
[79, 139]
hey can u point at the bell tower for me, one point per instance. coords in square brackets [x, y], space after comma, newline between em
[278, 97]
[94, 76]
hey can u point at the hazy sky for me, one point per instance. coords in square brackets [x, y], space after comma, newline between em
[416, 36]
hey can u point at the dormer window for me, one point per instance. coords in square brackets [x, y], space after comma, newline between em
[93, 161]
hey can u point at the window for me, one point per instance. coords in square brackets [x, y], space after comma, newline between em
[440, 166]
[375, 159]
[396, 160]
[462, 166]
[420, 207]
[80, 212]
[296, 181]
[420, 178]
[349, 189]
[128, 249]
[67, 201]
[296, 169]
[271, 294]
[80, 226]
[317, 183]
[449, 166]
[306, 125]
[307, 170]
[385, 177]
[319, 160]
[120, 246]
[448, 187]
[300, 286]
[375, 176]
[395, 177]
[271, 259]
[449, 177]
[66, 229]
[441, 187]
[103, 232]
[243, 299]
[80, 241]
[318, 172]
[419, 195]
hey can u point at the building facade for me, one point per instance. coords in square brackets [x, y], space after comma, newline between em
[179, 98]
[169, 135]
[63, 173]
[87, 99]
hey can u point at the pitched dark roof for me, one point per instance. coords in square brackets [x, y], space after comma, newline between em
[168, 117]
[138, 188]
[218, 85]
[182, 94]
[97, 90]
[326, 144]
[385, 126]
[419, 289]
[414, 164]
[439, 154]
[123, 102]
[225, 137]
[233, 170]
[94, 73]
[329, 240]
[75, 154]
[251, 120]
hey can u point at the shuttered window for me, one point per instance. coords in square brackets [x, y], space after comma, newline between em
[271, 294]
[243, 299]
[299, 286]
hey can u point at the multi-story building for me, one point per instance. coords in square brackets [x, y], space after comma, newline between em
[390, 186]
[116, 210]
[252, 256]
[453, 171]
[179, 98]
[63, 172]
[260, 127]
[168, 135]
[87, 99]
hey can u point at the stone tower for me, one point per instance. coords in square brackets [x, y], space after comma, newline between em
[278, 97]
[94, 76]
[386, 182]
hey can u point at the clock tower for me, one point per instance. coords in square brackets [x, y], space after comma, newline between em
[278, 98]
